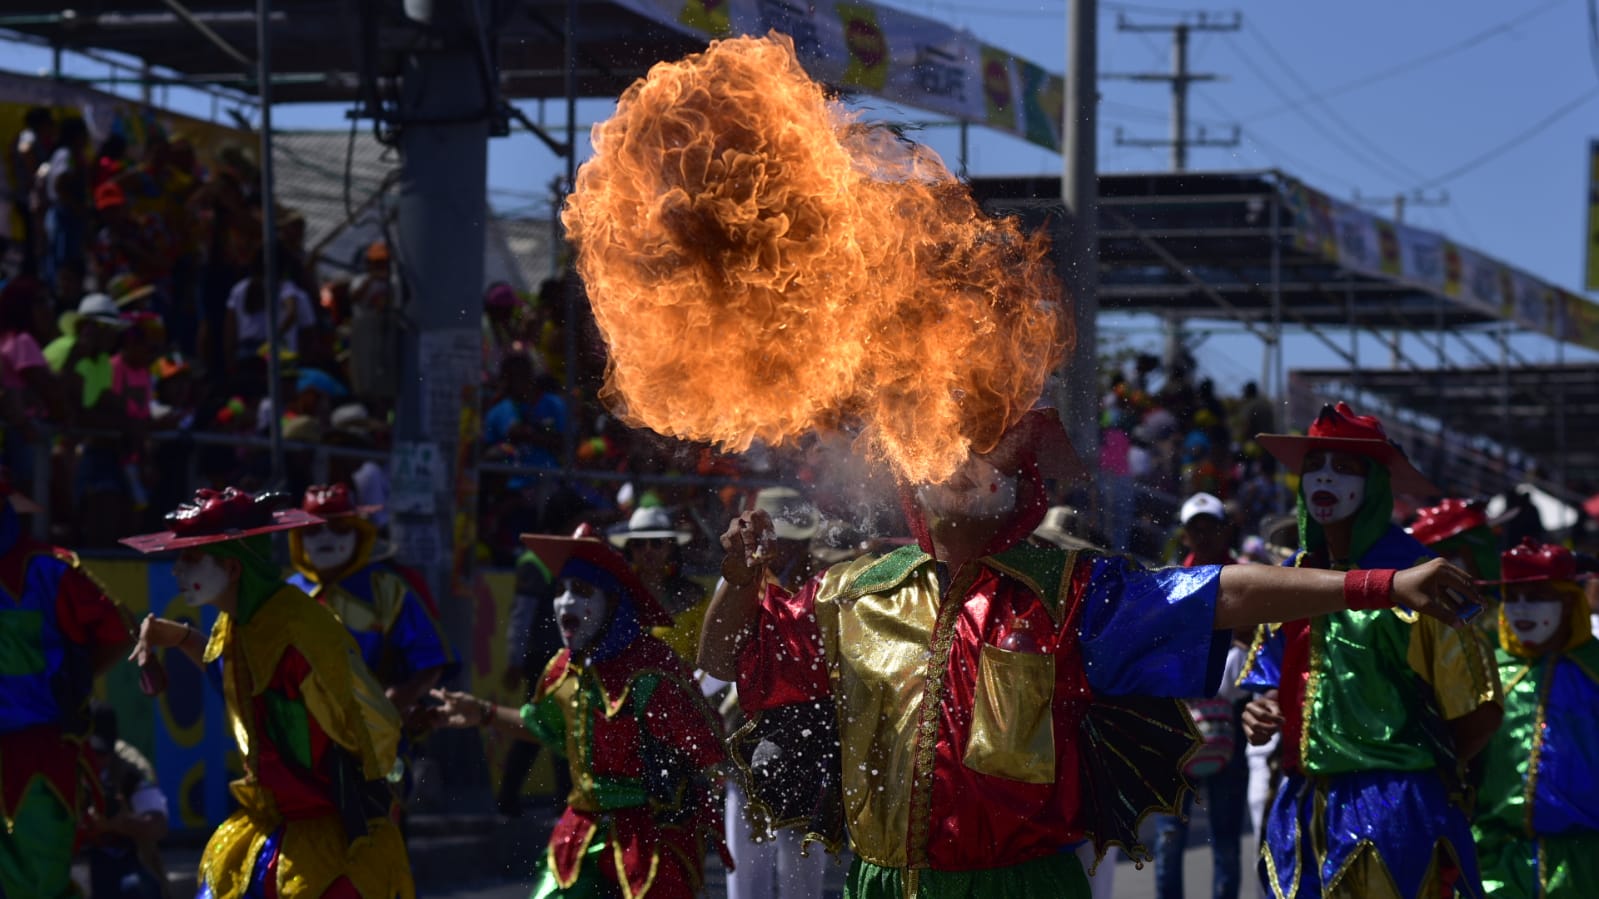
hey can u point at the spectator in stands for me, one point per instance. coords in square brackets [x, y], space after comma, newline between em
[501, 327]
[245, 329]
[142, 344]
[126, 243]
[85, 367]
[66, 198]
[526, 422]
[24, 314]
[25, 157]
[374, 333]
[1253, 416]
[110, 160]
[227, 209]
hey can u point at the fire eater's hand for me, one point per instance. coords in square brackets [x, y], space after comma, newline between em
[1437, 589]
[745, 542]
[1262, 719]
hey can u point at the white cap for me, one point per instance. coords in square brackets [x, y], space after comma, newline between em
[1203, 504]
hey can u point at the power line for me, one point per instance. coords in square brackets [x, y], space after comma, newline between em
[1180, 78]
[1278, 155]
[1537, 128]
[1486, 34]
[1355, 133]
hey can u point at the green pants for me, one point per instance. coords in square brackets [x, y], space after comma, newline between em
[1546, 868]
[590, 883]
[1060, 875]
[36, 853]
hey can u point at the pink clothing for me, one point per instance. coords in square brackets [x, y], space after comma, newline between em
[133, 385]
[1113, 447]
[18, 353]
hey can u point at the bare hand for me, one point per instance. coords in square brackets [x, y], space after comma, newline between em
[1436, 588]
[156, 633]
[1262, 720]
[457, 709]
[746, 542]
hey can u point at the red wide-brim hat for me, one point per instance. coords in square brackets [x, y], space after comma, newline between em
[334, 501]
[220, 516]
[1531, 562]
[1450, 518]
[557, 552]
[1338, 429]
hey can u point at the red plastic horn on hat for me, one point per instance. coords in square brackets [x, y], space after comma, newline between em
[1449, 518]
[333, 501]
[216, 516]
[1531, 562]
[1338, 429]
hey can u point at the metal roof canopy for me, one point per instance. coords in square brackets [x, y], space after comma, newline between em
[318, 46]
[1548, 412]
[1223, 227]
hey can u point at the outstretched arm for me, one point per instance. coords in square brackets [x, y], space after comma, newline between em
[1259, 594]
[730, 618]
[465, 710]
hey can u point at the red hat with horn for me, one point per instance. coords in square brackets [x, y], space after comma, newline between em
[1338, 429]
[218, 516]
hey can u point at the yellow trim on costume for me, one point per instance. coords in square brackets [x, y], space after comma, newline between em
[1373, 880]
[1537, 748]
[583, 849]
[619, 859]
[921, 785]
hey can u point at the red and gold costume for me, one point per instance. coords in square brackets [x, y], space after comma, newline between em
[639, 740]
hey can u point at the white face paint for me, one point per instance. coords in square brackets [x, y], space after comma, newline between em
[1331, 495]
[976, 490]
[201, 577]
[579, 613]
[328, 550]
[1535, 621]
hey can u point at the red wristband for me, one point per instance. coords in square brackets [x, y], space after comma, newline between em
[1369, 589]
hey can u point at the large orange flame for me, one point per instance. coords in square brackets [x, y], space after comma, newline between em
[761, 265]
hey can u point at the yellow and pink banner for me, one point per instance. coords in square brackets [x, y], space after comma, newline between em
[1371, 245]
[863, 46]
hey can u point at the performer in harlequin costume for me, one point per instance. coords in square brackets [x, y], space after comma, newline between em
[1459, 530]
[1379, 709]
[317, 736]
[971, 707]
[334, 564]
[1537, 819]
[640, 740]
[59, 632]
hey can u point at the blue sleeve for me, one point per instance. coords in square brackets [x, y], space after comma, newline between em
[497, 423]
[416, 641]
[550, 412]
[1152, 633]
[1263, 666]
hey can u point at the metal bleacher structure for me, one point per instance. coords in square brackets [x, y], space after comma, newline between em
[1225, 246]
[1231, 246]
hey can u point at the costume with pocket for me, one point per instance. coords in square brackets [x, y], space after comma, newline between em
[968, 728]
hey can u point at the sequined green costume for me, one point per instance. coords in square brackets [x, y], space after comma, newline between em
[1537, 825]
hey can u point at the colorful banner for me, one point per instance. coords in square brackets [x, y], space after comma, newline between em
[863, 46]
[1362, 242]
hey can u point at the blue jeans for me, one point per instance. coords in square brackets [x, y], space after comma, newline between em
[1226, 795]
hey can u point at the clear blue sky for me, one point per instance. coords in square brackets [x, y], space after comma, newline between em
[1353, 97]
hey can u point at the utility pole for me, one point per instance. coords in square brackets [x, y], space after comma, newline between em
[1179, 78]
[1401, 200]
[1079, 376]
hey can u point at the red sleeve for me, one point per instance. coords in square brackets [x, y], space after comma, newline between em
[784, 662]
[88, 617]
[683, 722]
